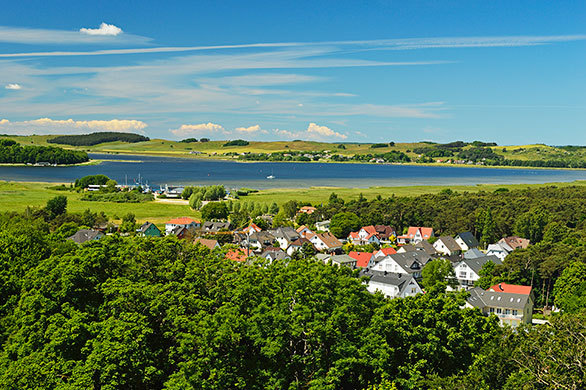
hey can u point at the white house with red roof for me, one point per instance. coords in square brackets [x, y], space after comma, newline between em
[183, 222]
[304, 230]
[366, 235]
[363, 259]
[512, 304]
[382, 252]
[415, 234]
[252, 228]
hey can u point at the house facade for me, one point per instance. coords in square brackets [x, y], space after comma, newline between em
[446, 245]
[185, 222]
[415, 234]
[392, 285]
[511, 308]
[468, 270]
[148, 229]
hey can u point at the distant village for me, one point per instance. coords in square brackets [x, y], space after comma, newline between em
[394, 266]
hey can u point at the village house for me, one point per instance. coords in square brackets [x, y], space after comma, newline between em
[210, 244]
[285, 236]
[297, 245]
[385, 233]
[252, 228]
[258, 240]
[512, 308]
[392, 285]
[272, 254]
[215, 227]
[307, 210]
[363, 259]
[366, 235]
[185, 222]
[466, 241]
[473, 253]
[303, 231]
[515, 242]
[339, 260]
[500, 250]
[148, 229]
[84, 235]
[446, 245]
[382, 252]
[325, 242]
[323, 226]
[468, 270]
[415, 234]
[410, 263]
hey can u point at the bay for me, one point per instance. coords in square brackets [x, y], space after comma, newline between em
[181, 171]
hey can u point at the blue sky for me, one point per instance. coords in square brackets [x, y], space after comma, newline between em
[372, 71]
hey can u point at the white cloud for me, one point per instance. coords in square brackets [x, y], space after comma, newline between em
[14, 86]
[313, 132]
[34, 36]
[186, 130]
[67, 126]
[323, 132]
[105, 29]
[250, 129]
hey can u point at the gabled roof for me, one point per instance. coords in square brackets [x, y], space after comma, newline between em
[394, 279]
[386, 251]
[288, 233]
[362, 258]
[426, 247]
[369, 229]
[145, 226]
[329, 240]
[426, 232]
[450, 243]
[215, 226]
[515, 242]
[275, 254]
[468, 239]
[499, 247]
[511, 288]
[473, 253]
[253, 226]
[302, 228]
[481, 299]
[299, 242]
[411, 261]
[211, 244]
[384, 231]
[182, 221]
[477, 263]
[84, 235]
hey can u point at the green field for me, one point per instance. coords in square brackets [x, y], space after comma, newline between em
[16, 196]
[215, 149]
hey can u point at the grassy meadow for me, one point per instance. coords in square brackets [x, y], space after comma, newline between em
[16, 196]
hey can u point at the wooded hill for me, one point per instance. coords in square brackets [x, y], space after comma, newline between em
[13, 153]
[96, 138]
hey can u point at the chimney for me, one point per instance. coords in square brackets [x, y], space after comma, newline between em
[501, 286]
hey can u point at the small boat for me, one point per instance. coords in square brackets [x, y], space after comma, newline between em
[270, 177]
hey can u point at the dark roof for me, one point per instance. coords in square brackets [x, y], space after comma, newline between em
[426, 247]
[468, 239]
[411, 261]
[215, 226]
[473, 253]
[84, 235]
[287, 233]
[481, 298]
[389, 278]
[262, 237]
[275, 254]
[145, 226]
[477, 263]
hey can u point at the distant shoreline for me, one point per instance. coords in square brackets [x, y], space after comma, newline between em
[90, 162]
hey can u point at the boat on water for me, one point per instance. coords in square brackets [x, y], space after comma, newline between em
[270, 177]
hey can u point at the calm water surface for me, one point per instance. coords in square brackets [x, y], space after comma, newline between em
[176, 171]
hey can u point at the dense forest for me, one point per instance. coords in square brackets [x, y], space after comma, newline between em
[13, 153]
[97, 138]
[135, 312]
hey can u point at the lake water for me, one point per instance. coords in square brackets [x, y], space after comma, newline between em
[176, 171]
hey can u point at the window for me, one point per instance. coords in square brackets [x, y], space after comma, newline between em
[515, 312]
[499, 310]
[462, 275]
[507, 311]
[491, 309]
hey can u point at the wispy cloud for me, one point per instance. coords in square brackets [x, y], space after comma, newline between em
[104, 29]
[68, 126]
[38, 36]
[251, 129]
[13, 86]
[205, 128]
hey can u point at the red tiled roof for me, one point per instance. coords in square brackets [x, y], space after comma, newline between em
[182, 221]
[362, 258]
[425, 231]
[388, 251]
[236, 255]
[370, 230]
[254, 227]
[511, 288]
[353, 234]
